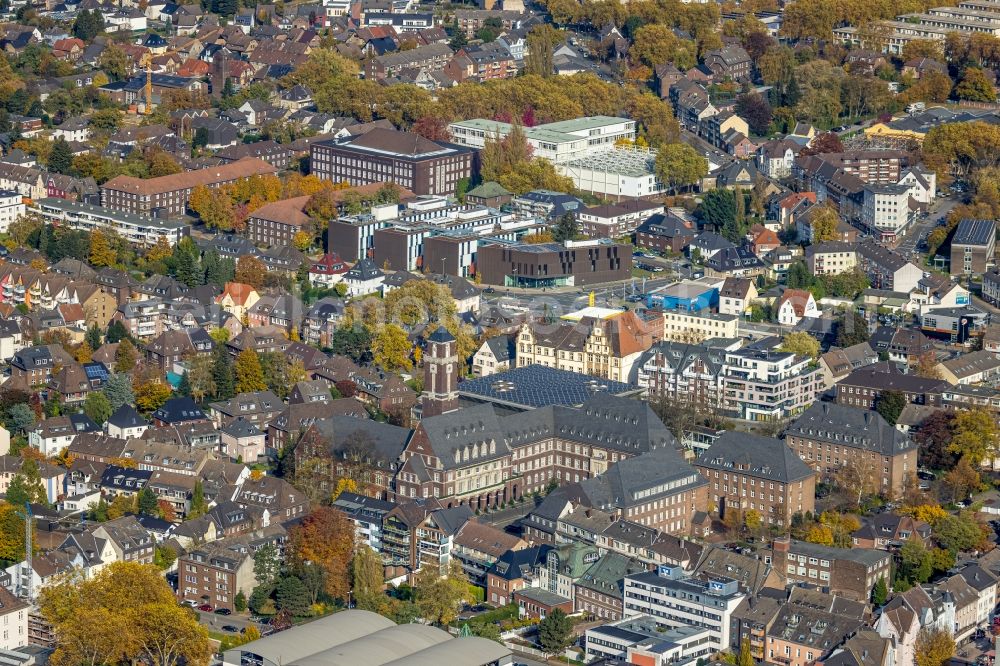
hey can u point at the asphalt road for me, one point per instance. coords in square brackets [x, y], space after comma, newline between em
[939, 209]
[215, 622]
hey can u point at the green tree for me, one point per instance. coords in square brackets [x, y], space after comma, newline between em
[97, 407]
[975, 86]
[541, 43]
[959, 533]
[240, 602]
[679, 166]
[880, 592]
[222, 374]
[116, 332]
[916, 562]
[566, 227]
[198, 504]
[801, 343]
[118, 390]
[555, 632]
[114, 62]
[291, 596]
[93, 337]
[746, 655]
[266, 566]
[890, 405]
[164, 557]
[27, 486]
[148, 504]
[19, 418]
[61, 157]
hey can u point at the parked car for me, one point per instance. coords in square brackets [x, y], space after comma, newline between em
[223, 611]
[206, 608]
[230, 628]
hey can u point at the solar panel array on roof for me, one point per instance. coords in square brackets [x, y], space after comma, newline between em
[974, 232]
[96, 372]
[534, 386]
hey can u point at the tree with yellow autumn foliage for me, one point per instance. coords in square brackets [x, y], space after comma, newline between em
[125, 612]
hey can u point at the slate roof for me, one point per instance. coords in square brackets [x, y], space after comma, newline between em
[516, 564]
[753, 455]
[126, 417]
[179, 409]
[534, 386]
[624, 481]
[849, 426]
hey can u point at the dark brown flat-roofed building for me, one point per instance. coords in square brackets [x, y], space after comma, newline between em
[576, 263]
[384, 155]
[168, 195]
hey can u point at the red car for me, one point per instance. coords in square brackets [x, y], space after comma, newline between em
[205, 607]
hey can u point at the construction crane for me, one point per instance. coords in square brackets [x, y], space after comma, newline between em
[147, 62]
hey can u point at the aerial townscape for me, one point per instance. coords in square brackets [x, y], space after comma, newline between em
[499, 333]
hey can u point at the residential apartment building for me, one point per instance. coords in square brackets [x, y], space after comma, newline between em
[863, 387]
[886, 211]
[766, 385]
[973, 247]
[216, 572]
[811, 625]
[828, 436]
[385, 155]
[167, 196]
[11, 208]
[748, 472]
[887, 269]
[685, 373]
[847, 572]
[616, 220]
[831, 258]
[142, 230]
[674, 599]
[431, 57]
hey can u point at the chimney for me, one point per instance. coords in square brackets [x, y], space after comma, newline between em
[782, 544]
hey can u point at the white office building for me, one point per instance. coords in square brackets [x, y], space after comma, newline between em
[558, 142]
[673, 599]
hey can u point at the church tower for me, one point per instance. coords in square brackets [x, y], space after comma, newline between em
[440, 374]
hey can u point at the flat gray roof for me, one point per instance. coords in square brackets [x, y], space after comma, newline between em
[389, 644]
[307, 639]
[467, 651]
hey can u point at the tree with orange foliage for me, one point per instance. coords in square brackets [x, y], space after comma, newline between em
[325, 538]
[167, 512]
[250, 270]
